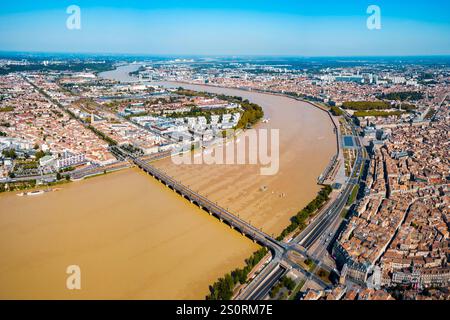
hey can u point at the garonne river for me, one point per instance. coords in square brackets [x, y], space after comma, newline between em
[133, 238]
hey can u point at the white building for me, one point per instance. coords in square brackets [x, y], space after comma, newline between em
[191, 121]
[47, 161]
[226, 118]
[201, 121]
[215, 119]
[68, 159]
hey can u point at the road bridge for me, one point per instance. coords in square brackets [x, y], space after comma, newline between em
[212, 208]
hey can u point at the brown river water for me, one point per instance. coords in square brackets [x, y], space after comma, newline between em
[306, 146]
[133, 238]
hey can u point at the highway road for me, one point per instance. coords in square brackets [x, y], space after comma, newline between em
[50, 176]
[320, 225]
[317, 228]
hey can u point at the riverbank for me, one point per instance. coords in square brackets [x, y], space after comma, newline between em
[29, 185]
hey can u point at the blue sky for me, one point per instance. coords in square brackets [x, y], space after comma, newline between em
[245, 27]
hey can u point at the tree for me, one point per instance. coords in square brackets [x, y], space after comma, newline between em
[223, 288]
[288, 283]
[336, 111]
[9, 153]
[39, 154]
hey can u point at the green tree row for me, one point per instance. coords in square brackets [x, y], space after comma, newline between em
[6, 109]
[299, 220]
[353, 195]
[402, 95]
[103, 136]
[252, 114]
[285, 282]
[223, 288]
[336, 111]
[9, 153]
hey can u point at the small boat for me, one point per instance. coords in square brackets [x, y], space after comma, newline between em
[31, 193]
[35, 193]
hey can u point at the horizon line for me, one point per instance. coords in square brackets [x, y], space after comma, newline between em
[2, 52]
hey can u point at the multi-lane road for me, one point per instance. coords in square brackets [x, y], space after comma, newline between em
[316, 229]
[324, 223]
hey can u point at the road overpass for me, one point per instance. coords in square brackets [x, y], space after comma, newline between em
[261, 288]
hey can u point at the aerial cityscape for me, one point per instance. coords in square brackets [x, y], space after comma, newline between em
[198, 169]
